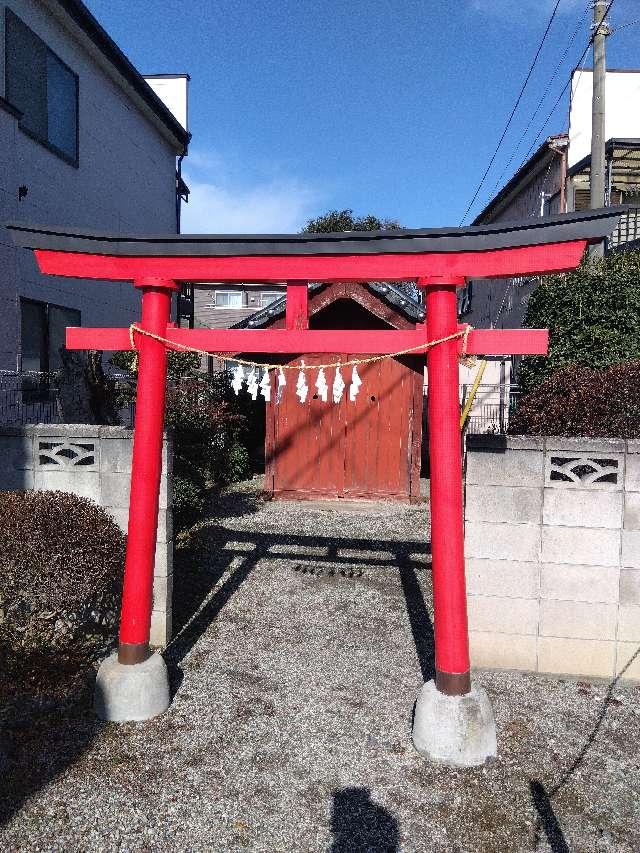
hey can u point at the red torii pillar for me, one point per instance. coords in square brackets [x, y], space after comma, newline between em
[451, 709]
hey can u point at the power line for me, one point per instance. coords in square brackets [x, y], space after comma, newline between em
[565, 87]
[624, 26]
[513, 111]
[544, 96]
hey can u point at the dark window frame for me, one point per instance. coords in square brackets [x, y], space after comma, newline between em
[46, 342]
[63, 155]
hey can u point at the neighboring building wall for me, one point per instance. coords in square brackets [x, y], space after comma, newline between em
[209, 315]
[552, 539]
[124, 182]
[46, 457]
[501, 303]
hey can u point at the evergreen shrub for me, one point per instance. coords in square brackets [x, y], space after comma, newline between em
[61, 559]
[583, 401]
[592, 313]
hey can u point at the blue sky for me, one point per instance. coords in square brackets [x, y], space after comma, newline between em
[392, 108]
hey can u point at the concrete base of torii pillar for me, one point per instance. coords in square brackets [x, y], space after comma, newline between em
[458, 731]
[131, 692]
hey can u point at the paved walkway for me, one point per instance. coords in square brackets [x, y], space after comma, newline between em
[306, 635]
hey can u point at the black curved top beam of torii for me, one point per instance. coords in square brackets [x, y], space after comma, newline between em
[551, 244]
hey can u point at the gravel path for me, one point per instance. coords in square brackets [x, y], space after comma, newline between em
[295, 678]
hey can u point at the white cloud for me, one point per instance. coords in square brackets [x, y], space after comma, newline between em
[223, 201]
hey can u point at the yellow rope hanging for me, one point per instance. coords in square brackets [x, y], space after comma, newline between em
[173, 345]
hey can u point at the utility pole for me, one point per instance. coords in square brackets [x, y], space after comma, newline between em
[598, 165]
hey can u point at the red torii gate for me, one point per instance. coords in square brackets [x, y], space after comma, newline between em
[439, 260]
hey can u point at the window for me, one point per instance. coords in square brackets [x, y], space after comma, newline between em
[228, 299]
[43, 88]
[267, 298]
[42, 334]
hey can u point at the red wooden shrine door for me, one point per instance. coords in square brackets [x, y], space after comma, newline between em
[361, 449]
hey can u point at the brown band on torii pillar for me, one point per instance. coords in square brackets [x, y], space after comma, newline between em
[130, 653]
[453, 683]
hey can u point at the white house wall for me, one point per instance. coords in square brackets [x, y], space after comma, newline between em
[622, 89]
[125, 182]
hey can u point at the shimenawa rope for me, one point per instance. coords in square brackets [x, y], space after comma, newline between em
[174, 345]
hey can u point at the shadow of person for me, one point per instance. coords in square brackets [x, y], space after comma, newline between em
[361, 826]
[547, 820]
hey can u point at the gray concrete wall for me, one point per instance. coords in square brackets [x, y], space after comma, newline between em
[93, 462]
[552, 540]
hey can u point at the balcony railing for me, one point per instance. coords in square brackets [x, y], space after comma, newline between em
[628, 230]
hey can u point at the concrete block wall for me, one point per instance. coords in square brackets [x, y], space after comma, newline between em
[93, 462]
[552, 544]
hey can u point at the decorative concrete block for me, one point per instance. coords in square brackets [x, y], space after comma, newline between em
[498, 615]
[584, 470]
[630, 586]
[519, 542]
[578, 619]
[631, 549]
[624, 654]
[629, 623]
[632, 511]
[503, 504]
[502, 651]
[599, 547]
[561, 656]
[86, 484]
[506, 578]
[579, 583]
[488, 468]
[582, 508]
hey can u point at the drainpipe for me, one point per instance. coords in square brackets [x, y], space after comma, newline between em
[563, 178]
[178, 196]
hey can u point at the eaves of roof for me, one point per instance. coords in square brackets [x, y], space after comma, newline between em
[83, 18]
[609, 149]
[523, 176]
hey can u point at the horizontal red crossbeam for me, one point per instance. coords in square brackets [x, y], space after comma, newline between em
[292, 341]
[496, 263]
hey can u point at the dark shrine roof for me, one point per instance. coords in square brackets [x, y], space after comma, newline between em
[591, 225]
[387, 291]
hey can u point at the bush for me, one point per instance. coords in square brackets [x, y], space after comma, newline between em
[62, 560]
[208, 423]
[593, 315]
[583, 401]
[178, 363]
[188, 497]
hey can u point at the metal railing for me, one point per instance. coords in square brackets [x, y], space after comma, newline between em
[491, 409]
[34, 398]
[628, 230]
